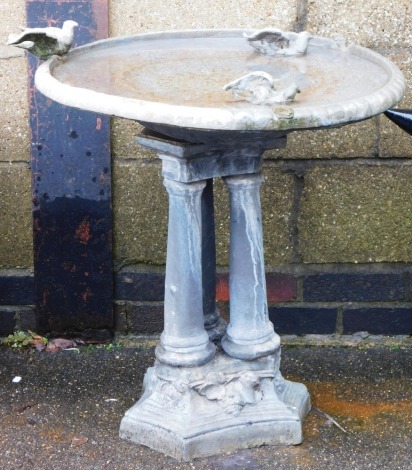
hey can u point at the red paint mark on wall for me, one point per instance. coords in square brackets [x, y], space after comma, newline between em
[98, 124]
[280, 287]
[222, 287]
[83, 232]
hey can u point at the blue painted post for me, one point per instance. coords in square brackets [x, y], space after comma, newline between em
[71, 185]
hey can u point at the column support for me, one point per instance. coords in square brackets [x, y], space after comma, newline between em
[238, 398]
[184, 341]
[249, 334]
[214, 324]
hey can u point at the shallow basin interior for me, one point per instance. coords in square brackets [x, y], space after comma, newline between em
[193, 71]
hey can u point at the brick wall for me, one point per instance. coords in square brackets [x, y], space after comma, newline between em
[302, 299]
[16, 282]
[337, 204]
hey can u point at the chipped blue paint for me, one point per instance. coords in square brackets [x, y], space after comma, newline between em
[71, 189]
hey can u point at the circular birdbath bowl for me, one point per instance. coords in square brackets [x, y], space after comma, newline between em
[171, 81]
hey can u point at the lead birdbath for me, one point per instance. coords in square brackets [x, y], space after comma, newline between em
[212, 102]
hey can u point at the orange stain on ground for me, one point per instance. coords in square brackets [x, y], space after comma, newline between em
[325, 396]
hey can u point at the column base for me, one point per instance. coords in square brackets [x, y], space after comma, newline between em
[215, 326]
[185, 356]
[251, 350]
[225, 405]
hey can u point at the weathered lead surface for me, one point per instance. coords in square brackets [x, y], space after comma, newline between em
[190, 68]
[227, 404]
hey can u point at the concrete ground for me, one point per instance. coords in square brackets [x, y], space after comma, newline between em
[66, 410]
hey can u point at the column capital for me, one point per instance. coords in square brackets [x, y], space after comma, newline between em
[244, 181]
[177, 188]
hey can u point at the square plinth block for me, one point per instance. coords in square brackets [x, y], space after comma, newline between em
[225, 405]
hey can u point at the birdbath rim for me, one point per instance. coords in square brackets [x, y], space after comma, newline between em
[152, 78]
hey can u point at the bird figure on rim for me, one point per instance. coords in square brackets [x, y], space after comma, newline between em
[45, 42]
[274, 42]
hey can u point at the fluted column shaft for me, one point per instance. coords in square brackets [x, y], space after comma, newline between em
[184, 341]
[249, 334]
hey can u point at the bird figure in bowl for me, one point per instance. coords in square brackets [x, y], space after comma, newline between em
[261, 88]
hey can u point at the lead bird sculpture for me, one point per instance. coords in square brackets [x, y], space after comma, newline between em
[45, 42]
[261, 88]
[274, 42]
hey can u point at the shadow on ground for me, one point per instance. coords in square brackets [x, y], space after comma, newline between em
[66, 410]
